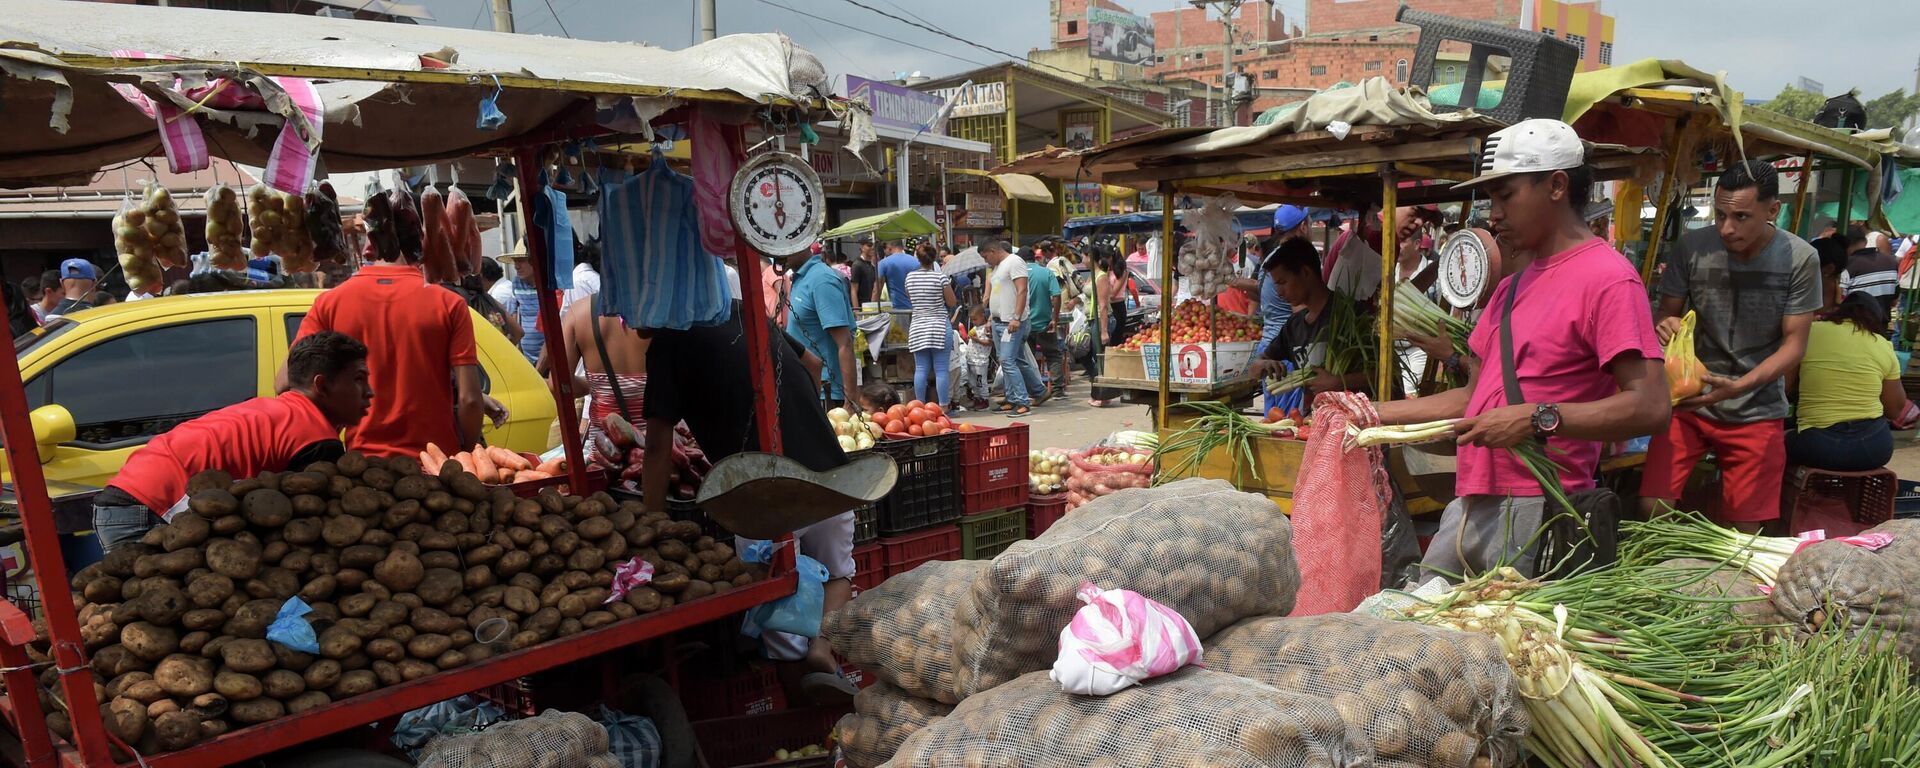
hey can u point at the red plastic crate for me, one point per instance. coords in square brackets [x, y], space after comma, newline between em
[753, 690]
[905, 553]
[1043, 512]
[736, 742]
[993, 468]
[869, 566]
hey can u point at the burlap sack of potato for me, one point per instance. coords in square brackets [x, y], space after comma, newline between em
[1214, 554]
[555, 739]
[1712, 580]
[1194, 718]
[883, 717]
[1871, 592]
[1423, 696]
[902, 630]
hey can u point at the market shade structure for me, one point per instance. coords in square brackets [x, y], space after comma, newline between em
[897, 225]
[63, 120]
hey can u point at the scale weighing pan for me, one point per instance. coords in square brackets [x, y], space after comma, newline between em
[764, 496]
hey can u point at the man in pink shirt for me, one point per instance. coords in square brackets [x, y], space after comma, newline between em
[1586, 361]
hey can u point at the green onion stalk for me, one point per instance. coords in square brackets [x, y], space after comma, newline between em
[1218, 427]
[1290, 382]
[1398, 434]
[1415, 314]
[1670, 534]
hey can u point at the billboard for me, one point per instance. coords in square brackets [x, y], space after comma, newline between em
[976, 99]
[1118, 36]
[897, 107]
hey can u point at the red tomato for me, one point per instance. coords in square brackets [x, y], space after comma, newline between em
[916, 414]
[897, 412]
[914, 429]
[916, 404]
[895, 426]
[936, 410]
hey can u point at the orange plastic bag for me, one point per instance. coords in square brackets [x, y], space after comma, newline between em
[1683, 368]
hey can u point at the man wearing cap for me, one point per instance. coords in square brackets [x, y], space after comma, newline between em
[1288, 221]
[1572, 316]
[521, 300]
[77, 278]
[1754, 289]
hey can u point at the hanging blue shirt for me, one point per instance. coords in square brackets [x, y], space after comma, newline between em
[820, 300]
[558, 230]
[1274, 311]
[654, 270]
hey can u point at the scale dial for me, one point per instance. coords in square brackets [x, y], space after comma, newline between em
[777, 203]
[1464, 262]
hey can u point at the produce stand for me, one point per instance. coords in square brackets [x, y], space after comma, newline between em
[546, 89]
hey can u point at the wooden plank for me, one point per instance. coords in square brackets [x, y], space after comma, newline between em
[1127, 155]
[1429, 151]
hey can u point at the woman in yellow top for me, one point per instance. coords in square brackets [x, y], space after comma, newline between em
[1850, 390]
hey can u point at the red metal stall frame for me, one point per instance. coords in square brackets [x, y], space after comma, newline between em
[77, 679]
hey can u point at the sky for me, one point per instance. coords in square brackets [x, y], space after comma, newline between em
[1761, 44]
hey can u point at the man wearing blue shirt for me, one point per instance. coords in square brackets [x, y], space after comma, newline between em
[1288, 221]
[894, 269]
[1043, 319]
[820, 315]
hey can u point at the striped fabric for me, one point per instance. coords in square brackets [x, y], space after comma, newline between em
[654, 272]
[185, 145]
[926, 289]
[291, 162]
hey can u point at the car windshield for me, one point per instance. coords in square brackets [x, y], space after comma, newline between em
[31, 340]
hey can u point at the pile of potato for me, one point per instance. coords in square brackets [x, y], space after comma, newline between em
[406, 574]
[1872, 592]
[224, 228]
[1212, 553]
[280, 226]
[1195, 717]
[1423, 696]
[883, 717]
[902, 630]
[147, 235]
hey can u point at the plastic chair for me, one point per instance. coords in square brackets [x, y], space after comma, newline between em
[1868, 495]
[1538, 76]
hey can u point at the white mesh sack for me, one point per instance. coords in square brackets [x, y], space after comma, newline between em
[1872, 592]
[1423, 696]
[883, 717]
[1211, 553]
[555, 739]
[902, 630]
[1194, 718]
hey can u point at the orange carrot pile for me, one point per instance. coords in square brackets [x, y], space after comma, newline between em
[492, 464]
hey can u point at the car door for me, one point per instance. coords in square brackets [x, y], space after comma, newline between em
[125, 385]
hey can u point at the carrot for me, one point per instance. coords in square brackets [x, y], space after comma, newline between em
[465, 461]
[529, 474]
[552, 466]
[429, 465]
[509, 459]
[436, 453]
[506, 474]
[483, 466]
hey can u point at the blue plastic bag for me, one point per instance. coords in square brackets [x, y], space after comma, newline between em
[491, 118]
[631, 739]
[290, 628]
[795, 614]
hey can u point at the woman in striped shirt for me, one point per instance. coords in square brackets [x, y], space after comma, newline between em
[930, 292]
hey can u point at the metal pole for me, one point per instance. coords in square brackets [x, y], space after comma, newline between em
[708, 26]
[1226, 64]
[1799, 223]
[526, 161]
[1389, 246]
[944, 209]
[503, 15]
[1167, 253]
[1663, 204]
[900, 173]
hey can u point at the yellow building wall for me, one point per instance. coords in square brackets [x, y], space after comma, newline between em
[1573, 21]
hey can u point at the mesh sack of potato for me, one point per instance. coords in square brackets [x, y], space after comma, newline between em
[1715, 580]
[1211, 553]
[1424, 696]
[1872, 592]
[902, 630]
[555, 739]
[1195, 717]
[883, 717]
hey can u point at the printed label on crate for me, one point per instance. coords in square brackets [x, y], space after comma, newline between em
[998, 474]
[1199, 363]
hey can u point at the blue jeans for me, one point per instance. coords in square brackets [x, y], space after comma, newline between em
[935, 361]
[1018, 375]
[118, 525]
[1850, 446]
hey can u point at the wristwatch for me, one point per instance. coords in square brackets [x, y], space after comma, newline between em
[1546, 420]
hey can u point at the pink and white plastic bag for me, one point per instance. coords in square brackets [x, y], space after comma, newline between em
[1119, 639]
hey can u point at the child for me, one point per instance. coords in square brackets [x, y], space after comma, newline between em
[878, 396]
[979, 356]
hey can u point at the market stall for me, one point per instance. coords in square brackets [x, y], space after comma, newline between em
[87, 86]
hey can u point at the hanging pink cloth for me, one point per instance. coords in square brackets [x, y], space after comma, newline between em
[290, 163]
[1339, 501]
[716, 157]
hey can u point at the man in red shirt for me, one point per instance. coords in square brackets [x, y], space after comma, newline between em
[328, 374]
[419, 340]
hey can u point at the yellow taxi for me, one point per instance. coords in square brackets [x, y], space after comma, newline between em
[104, 381]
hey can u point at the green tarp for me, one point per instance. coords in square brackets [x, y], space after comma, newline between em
[898, 225]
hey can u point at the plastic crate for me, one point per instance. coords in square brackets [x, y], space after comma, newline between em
[993, 468]
[515, 697]
[752, 690]
[905, 553]
[866, 523]
[984, 535]
[928, 491]
[869, 566]
[738, 742]
[1043, 512]
[1906, 503]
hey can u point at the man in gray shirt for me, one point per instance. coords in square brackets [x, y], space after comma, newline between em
[1754, 290]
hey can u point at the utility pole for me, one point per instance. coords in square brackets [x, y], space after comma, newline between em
[1227, 10]
[503, 15]
[708, 28]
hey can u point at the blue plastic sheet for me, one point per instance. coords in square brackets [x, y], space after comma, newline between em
[290, 627]
[631, 738]
[795, 614]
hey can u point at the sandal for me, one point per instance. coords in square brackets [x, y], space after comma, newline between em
[1018, 411]
[1096, 403]
[1006, 407]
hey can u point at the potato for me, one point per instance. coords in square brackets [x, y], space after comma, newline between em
[408, 599]
[149, 642]
[440, 559]
[236, 686]
[325, 562]
[358, 605]
[105, 589]
[296, 483]
[450, 660]
[267, 508]
[526, 513]
[377, 478]
[386, 649]
[126, 719]
[413, 487]
[210, 503]
[324, 673]
[674, 550]
[160, 602]
[542, 622]
[361, 501]
[252, 618]
[343, 530]
[696, 589]
[450, 522]
[302, 530]
[428, 645]
[351, 464]
[670, 583]
[290, 659]
[273, 583]
[208, 619]
[401, 516]
[362, 628]
[596, 619]
[211, 648]
[318, 589]
[439, 586]
[522, 536]
[388, 673]
[179, 563]
[709, 572]
[183, 676]
[594, 528]
[248, 655]
[644, 599]
[480, 555]
[307, 701]
[402, 634]
[176, 731]
[309, 505]
[337, 487]
[548, 564]
[233, 558]
[193, 642]
[614, 547]
[512, 563]
[337, 642]
[390, 613]
[400, 572]
[586, 558]
[256, 711]
[377, 537]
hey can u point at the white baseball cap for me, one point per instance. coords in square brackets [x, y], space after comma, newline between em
[1529, 146]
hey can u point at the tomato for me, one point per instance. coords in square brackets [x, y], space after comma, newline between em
[1274, 414]
[964, 428]
[915, 404]
[914, 429]
[936, 410]
[897, 412]
[895, 426]
[916, 414]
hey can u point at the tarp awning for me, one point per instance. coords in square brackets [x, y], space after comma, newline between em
[63, 119]
[1019, 186]
[897, 225]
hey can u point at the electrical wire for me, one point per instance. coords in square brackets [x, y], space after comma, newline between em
[556, 18]
[950, 36]
[867, 32]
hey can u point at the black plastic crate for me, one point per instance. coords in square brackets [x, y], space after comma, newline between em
[928, 491]
[866, 523]
[682, 511]
[1906, 504]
